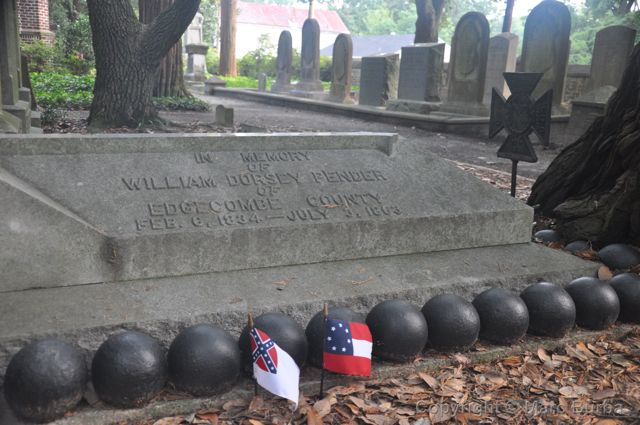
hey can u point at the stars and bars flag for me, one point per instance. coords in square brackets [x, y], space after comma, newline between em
[347, 347]
[273, 368]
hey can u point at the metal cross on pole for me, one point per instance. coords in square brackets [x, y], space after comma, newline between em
[520, 115]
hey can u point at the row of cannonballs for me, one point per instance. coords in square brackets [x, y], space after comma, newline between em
[47, 378]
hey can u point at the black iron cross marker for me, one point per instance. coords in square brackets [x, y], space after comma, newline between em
[520, 115]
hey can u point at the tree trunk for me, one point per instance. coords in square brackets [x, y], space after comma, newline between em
[128, 55]
[170, 80]
[228, 37]
[592, 187]
[429, 14]
[508, 14]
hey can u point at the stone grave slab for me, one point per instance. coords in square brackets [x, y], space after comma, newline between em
[88, 209]
[611, 51]
[379, 79]
[420, 72]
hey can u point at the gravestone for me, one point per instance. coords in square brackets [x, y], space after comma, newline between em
[545, 48]
[105, 232]
[379, 79]
[501, 58]
[193, 35]
[224, 116]
[262, 82]
[341, 69]
[285, 57]
[15, 113]
[584, 111]
[420, 75]
[309, 60]
[611, 52]
[196, 62]
[468, 66]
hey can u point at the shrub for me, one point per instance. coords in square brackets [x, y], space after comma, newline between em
[180, 104]
[213, 61]
[66, 91]
[74, 41]
[41, 55]
[325, 68]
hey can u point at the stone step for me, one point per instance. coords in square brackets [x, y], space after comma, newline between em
[88, 314]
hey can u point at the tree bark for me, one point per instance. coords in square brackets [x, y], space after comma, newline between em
[429, 14]
[228, 37]
[170, 81]
[592, 187]
[508, 15]
[128, 54]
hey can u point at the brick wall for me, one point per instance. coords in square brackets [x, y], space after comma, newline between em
[34, 20]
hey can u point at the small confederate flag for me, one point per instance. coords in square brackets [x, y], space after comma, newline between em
[347, 347]
[273, 368]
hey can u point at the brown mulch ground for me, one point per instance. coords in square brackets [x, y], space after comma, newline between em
[594, 383]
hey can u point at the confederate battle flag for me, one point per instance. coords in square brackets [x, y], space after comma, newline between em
[347, 347]
[273, 368]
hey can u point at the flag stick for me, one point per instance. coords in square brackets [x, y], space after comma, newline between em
[251, 325]
[325, 313]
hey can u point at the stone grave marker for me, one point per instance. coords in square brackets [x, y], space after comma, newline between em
[224, 116]
[611, 51]
[420, 71]
[193, 35]
[196, 62]
[262, 82]
[501, 58]
[468, 65]
[309, 59]
[160, 206]
[341, 69]
[15, 113]
[379, 79]
[285, 56]
[159, 231]
[420, 76]
[545, 48]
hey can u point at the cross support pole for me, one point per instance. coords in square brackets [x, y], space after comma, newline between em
[514, 176]
[325, 313]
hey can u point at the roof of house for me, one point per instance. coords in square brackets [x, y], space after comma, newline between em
[370, 45]
[288, 17]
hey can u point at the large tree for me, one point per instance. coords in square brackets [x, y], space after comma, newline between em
[228, 15]
[128, 54]
[170, 81]
[429, 14]
[592, 187]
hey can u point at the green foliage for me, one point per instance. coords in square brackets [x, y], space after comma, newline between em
[325, 68]
[260, 60]
[180, 104]
[213, 61]
[66, 91]
[210, 10]
[241, 82]
[41, 55]
[75, 43]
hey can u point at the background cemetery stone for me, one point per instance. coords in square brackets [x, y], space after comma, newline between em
[501, 58]
[196, 62]
[341, 69]
[284, 62]
[310, 59]
[545, 48]
[193, 35]
[420, 71]
[584, 111]
[468, 65]
[224, 116]
[15, 101]
[262, 82]
[379, 79]
[611, 51]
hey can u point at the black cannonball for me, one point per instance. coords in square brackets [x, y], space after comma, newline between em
[547, 236]
[315, 330]
[453, 322]
[627, 286]
[204, 360]
[504, 318]
[552, 311]
[283, 330]
[129, 369]
[619, 256]
[45, 380]
[399, 330]
[577, 246]
[597, 304]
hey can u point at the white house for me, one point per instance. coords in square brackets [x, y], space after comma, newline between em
[256, 19]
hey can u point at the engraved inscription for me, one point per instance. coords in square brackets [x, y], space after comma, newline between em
[164, 183]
